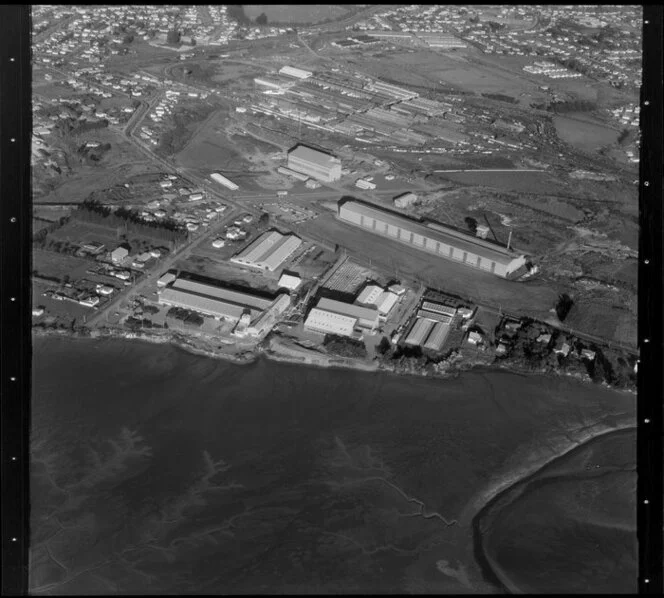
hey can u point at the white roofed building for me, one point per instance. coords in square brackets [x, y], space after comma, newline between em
[290, 281]
[292, 71]
[268, 252]
[327, 322]
[314, 163]
[434, 238]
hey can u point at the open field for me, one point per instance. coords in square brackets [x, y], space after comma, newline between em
[295, 13]
[584, 135]
[213, 148]
[84, 232]
[524, 182]
[121, 161]
[50, 263]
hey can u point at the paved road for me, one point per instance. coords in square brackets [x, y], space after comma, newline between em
[151, 278]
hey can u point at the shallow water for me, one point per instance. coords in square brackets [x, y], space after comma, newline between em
[155, 471]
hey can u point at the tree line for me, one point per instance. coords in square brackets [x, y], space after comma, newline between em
[167, 230]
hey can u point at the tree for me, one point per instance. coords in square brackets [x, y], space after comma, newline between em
[264, 219]
[261, 19]
[173, 37]
[383, 346]
[127, 39]
[471, 223]
[563, 306]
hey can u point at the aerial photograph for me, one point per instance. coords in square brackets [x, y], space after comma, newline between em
[334, 299]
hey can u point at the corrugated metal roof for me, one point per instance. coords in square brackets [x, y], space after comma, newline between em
[445, 318]
[437, 337]
[236, 297]
[439, 308]
[326, 321]
[311, 155]
[201, 303]
[370, 294]
[269, 250]
[438, 234]
[259, 247]
[386, 302]
[419, 331]
[363, 312]
[280, 252]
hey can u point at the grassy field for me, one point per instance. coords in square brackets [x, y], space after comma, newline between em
[524, 182]
[49, 263]
[80, 232]
[584, 135]
[211, 148]
[295, 13]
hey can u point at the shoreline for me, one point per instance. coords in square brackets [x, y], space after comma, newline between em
[302, 356]
[490, 571]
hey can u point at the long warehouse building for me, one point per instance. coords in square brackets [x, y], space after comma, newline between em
[336, 317]
[268, 252]
[213, 301]
[433, 238]
[314, 163]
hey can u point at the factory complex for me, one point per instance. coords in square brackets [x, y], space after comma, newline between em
[314, 163]
[433, 238]
[268, 252]
[221, 303]
[363, 108]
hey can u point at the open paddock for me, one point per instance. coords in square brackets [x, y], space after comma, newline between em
[584, 134]
[295, 13]
[52, 264]
[520, 181]
[78, 232]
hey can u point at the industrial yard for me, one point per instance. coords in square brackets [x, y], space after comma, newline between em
[461, 150]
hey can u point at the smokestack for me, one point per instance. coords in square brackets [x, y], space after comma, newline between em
[509, 239]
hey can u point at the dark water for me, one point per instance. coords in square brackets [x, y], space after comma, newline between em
[156, 471]
[569, 527]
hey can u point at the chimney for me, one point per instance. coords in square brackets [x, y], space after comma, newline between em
[509, 239]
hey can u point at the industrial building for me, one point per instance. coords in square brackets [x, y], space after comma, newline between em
[327, 322]
[214, 301]
[222, 180]
[314, 163]
[290, 281]
[433, 238]
[437, 337]
[374, 295]
[405, 200]
[419, 332]
[292, 71]
[268, 252]
[336, 317]
[296, 175]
